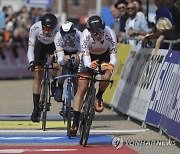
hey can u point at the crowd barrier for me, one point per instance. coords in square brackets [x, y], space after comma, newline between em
[150, 90]
[12, 66]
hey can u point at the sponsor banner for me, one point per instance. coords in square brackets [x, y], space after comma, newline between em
[121, 97]
[14, 65]
[122, 54]
[144, 82]
[170, 121]
[164, 108]
[40, 3]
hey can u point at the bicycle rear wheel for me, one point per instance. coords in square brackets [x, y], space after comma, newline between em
[87, 117]
[46, 99]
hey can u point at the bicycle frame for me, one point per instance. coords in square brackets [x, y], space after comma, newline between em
[69, 95]
[45, 97]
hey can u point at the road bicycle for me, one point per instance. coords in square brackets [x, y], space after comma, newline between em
[45, 97]
[69, 93]
[88, 110]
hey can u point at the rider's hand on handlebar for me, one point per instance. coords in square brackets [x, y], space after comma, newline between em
[66, 58]
[110, 67]
[107, 66]
[76, 58]
[31, 66]
[94, 64]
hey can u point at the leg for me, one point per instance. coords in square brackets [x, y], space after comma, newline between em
[36, 94]
[78, 102]
[102, 87]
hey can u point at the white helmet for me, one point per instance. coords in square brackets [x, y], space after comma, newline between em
[67, 28]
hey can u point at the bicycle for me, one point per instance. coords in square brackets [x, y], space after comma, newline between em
[69, 93]
[88, 110]
[45, 97]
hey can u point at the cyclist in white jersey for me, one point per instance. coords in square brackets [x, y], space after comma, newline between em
[98, 44]
[41, 42]
[67, 43]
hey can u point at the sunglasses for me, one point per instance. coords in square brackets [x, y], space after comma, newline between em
[121, 8]
[130, 8]
[46, 29]
[97, 33]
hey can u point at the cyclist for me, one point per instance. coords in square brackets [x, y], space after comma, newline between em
[41, 41]
[67, 42]
[98, 44]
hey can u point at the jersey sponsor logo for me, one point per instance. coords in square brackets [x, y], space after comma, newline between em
[59, 42]
[109, 39]
[85, 42]
[34, 28]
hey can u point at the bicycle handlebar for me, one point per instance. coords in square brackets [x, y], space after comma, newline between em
[96, 72]
[66, 76]
[96, 80]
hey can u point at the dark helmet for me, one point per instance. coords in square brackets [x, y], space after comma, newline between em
[67, 28]
[49, 20]
[95, 23]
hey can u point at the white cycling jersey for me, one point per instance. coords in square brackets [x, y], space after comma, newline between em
[62, 46]
[89, 45]
[37, 33]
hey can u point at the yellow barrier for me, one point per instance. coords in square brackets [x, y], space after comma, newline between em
[122, 54]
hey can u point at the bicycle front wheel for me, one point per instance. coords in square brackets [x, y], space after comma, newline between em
[46, 98]
[68, 103]
[87, 116]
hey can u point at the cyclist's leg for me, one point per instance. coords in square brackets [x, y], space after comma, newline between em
[36, 94]
[78, 102]
[78, 98]
[99, 107]
[39, 55]
[55, 72]
[59, 88]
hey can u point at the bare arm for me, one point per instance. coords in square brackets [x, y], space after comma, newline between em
[157, 45]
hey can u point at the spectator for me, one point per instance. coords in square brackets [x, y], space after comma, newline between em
[162, 10]
[121, 5]
[175, 14]
[1, 45]
[164, 26]
[116, 15]
[136, 26]
[139, 9]
[164, 31]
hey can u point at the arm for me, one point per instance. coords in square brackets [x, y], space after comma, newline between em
[59, 49]
[150, 37]
[157, 45]
[32, 38]
[113, 49]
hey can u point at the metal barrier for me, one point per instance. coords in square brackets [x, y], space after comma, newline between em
[150, 90]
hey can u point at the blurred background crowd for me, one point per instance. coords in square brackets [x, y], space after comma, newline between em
[16, 17]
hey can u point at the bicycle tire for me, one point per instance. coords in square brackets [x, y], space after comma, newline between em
[84, 112]
[45, 103]
[87, 117]
[69, 88]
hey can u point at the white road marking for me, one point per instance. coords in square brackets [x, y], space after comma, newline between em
[34, 150]
[64, 131]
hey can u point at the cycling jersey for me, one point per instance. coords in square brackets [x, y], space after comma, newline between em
[91, 47]
[62, 48]
[37, 33]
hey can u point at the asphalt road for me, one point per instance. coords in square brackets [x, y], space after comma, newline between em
[16, 99]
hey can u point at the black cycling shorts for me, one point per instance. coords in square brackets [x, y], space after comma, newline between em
[40, 51]
[103, 58]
